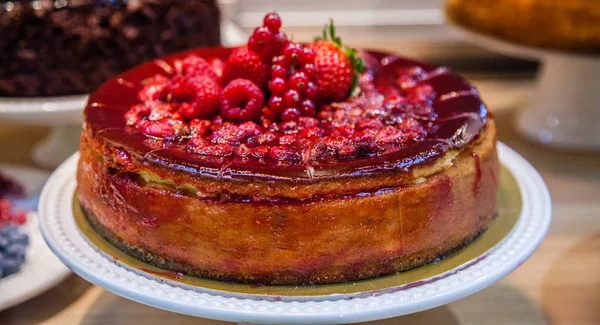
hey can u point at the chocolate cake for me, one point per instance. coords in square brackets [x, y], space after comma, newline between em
[66, 47]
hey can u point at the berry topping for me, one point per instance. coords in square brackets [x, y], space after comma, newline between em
[278, 86]
[246, 64]
[291, 98]
[290, 114]
[202, 96]
[242, 100]
[337, 67]
[282, 100]
[272, 21]
[194, 65]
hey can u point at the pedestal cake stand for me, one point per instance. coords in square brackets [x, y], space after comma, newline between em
[524, 217]
[565, 108]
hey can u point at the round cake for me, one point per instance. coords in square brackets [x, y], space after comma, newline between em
[288, 163]
[552, 24]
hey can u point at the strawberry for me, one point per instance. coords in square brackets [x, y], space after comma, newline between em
[245, 64]
[337, 67]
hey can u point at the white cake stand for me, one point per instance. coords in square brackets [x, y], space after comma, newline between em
[62, 113]
[565, 108]
[62, 234]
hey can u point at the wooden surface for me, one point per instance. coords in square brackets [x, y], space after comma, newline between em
[560, 284]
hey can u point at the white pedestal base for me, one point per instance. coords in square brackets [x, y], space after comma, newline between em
[565, 109]
[61, 143]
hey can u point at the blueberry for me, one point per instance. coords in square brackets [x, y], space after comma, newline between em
[9, 266]
[8, 229]
[18, 237]
[16, 251]
[4, 242]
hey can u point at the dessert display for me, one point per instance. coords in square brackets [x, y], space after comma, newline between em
[288, 163]
[13, 242]
[66, 47]
[552, 24]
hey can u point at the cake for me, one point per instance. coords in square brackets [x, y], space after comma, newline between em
[68, 47]
[283, 163]
[551, 24]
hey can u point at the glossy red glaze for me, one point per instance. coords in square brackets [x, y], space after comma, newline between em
[460, 117]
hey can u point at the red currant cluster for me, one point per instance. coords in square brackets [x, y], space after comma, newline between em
[268, 40]
[292, 85]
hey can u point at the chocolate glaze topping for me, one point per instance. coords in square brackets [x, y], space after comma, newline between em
[459, 117]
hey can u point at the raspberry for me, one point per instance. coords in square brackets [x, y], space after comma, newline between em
[305, 122]
[199, 128]
[204, 93]
[285, 154]
[194, 65]
[389, 134]
[241, 101]
[287, 140]
[136, 114]
[267, 138]
[159, 111]
[260, 152]
[245, 64]
[155, 88]
[312, 132]
[218, 150]
[272, 21]
[217, 66]
[167, 128]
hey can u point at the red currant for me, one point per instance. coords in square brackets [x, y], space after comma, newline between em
[276, 104]
[278, 71]
[280, 41]
[272, 21]
[307, 108]
[309, 70]
[291, 53]
[307, 56]
[263, 36]
[290, 115]
[310, 91]
[291, 98]
[278, 86]
[298, 81]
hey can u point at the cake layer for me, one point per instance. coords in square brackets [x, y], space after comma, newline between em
[360, 234]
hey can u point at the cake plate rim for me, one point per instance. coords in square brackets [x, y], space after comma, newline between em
[59, 230]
